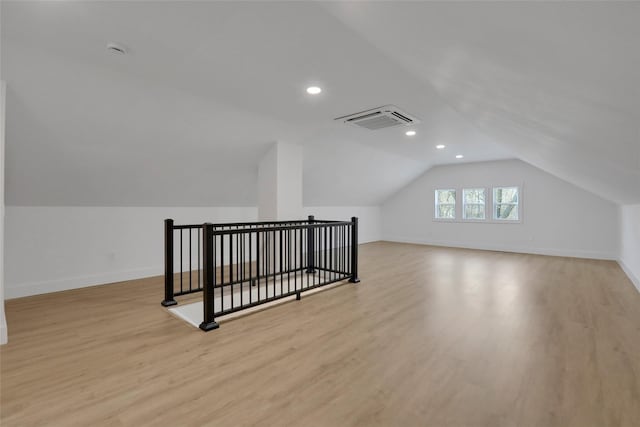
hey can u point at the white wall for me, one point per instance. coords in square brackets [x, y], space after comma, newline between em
[369, 219]
[56, 248]
[3, 321]
[630, 242]
[289, 181]
[268, 185]
[558, 218]
[280, 183]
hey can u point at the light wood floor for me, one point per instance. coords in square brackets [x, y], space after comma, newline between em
[431, 337]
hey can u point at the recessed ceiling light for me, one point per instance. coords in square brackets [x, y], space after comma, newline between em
[313, 90]
[459, 156]
[440, 146]
[410, 133]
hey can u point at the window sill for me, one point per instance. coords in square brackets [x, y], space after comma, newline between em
[478, 221]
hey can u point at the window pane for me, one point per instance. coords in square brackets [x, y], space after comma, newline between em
[506, 212]
[473, 195]
[445, 196]
[474, 211]
[473, 200]
[505, 195]
[506, 203]
[445, 206]
[446, 211]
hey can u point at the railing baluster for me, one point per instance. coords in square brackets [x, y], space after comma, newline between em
[310, 246]
[222, 272]
[267, 264]
[242, 270]
[231, 266]
[354, 251]
[296, 261]
[344, 248]
[288, 233]
[208, 322]
[324, 243]
[339, 251]
[258, 262]
[281, 264]
[331, 270]
[168, 264]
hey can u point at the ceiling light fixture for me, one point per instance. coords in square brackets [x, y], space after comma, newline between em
[313, 90]
[410, 133]
[116, 48]
[440, 146]
[459, 156]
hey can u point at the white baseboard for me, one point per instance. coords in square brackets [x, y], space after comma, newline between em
[17, 290]
[3, 329]
[634, 279]
[573, 253]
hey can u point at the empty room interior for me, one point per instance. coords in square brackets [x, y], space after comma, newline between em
[319, 214]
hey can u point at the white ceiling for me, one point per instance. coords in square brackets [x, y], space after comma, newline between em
[184, 118]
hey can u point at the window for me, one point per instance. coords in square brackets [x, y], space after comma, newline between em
[445, 204]
[506, 203]
[473, 205]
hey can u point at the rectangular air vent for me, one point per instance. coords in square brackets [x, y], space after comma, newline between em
[379, 118]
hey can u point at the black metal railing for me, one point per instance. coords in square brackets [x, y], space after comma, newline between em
[242, 265]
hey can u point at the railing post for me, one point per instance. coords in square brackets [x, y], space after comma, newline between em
[168, 264]
[311, 268]
[354, 250]
[208, 322]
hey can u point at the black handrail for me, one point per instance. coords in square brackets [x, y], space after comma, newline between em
[243, 224]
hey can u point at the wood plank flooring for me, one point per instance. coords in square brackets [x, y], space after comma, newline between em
[430, 337]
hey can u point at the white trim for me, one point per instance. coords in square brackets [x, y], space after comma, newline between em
[576, 253]
[436, 204]
[635, 280]
[489, 205]
[464, 205]
[4, 336]
[493, 205]
[3, 330]
[486, 221]
[36, 288]
[17, 290]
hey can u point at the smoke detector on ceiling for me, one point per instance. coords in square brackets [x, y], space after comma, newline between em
[116, 48]
[380, 118]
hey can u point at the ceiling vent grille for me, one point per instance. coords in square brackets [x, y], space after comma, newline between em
[380, 118]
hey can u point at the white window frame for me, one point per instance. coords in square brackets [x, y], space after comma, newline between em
[488, 201]
[494, 219]
[464, 204]
[436, 204]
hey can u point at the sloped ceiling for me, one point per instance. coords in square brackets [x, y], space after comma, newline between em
[555, 82]
[184, 118]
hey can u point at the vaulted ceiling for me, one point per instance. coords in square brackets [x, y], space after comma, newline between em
[206, 87]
